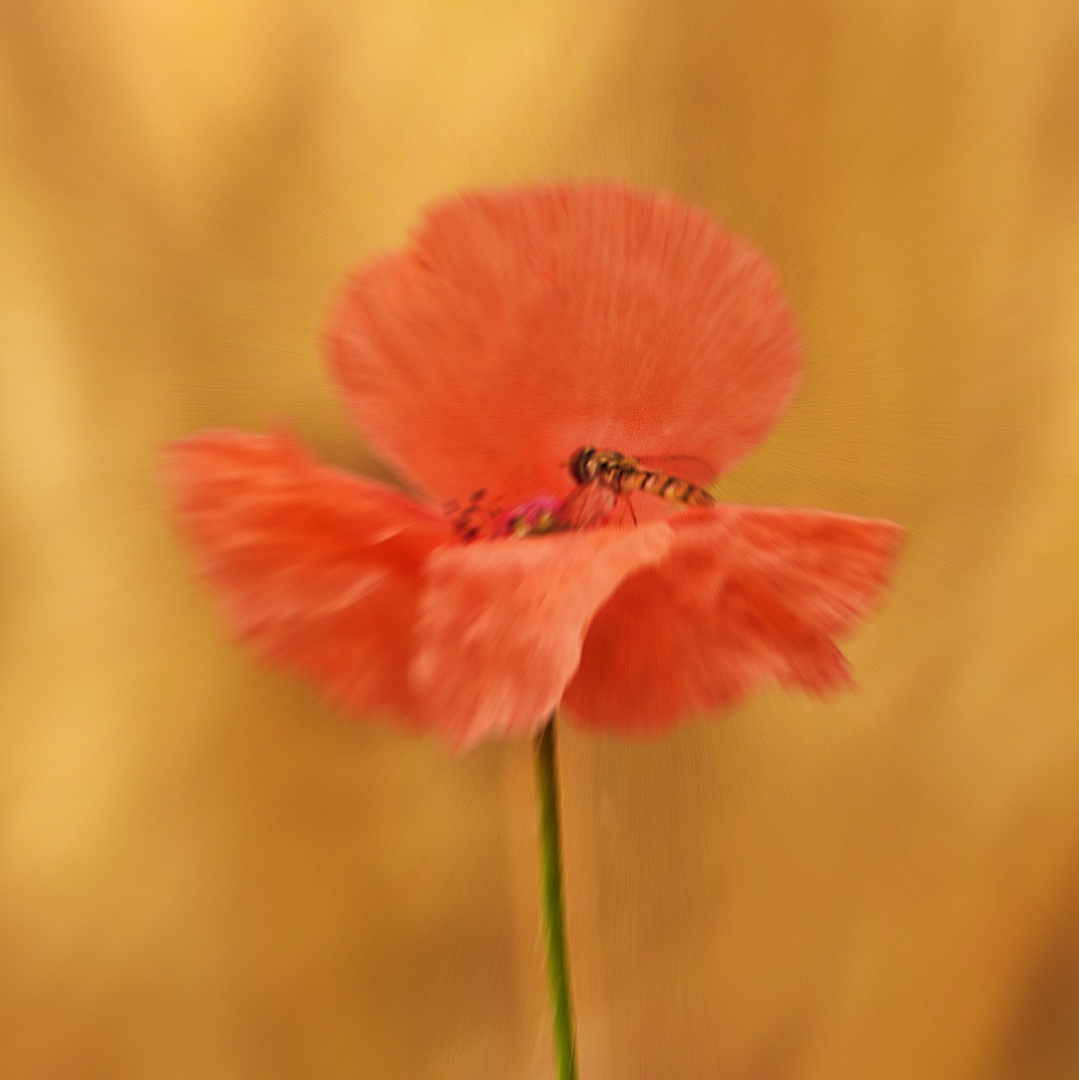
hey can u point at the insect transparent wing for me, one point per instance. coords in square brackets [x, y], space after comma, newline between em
[695, 470]
[590, 504]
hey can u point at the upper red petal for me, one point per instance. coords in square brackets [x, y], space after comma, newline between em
[747, 595]
[318, 569]
[502, 623]
[522, 325]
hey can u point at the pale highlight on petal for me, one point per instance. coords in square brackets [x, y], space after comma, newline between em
[522, 325]
[502, 622]
[319, 570]
[747, 596]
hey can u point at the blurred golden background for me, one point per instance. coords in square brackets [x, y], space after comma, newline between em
[206, 873]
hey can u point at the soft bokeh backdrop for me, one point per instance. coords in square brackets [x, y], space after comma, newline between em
[205, 873]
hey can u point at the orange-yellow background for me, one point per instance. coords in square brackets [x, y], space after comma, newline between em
[205, 873]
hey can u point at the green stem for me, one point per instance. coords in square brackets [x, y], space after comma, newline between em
[554, 918]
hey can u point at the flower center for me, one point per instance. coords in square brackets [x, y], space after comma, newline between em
[535, 517]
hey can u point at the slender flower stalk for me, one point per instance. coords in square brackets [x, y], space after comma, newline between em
[554, 918]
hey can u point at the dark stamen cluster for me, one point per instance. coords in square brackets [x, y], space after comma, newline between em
[468, 520]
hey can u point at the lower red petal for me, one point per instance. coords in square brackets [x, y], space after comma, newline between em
[747, 595]
[502, 624]
[318, 569]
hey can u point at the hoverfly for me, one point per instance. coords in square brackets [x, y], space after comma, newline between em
[606, 479]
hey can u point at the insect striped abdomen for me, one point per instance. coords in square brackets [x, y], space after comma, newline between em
[695, 496]
[671, 488]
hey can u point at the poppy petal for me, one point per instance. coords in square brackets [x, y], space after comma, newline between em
[318, 569]
[747, 595]
[522, 325]
[501, 624]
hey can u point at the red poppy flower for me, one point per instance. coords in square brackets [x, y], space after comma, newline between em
[517, 328]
